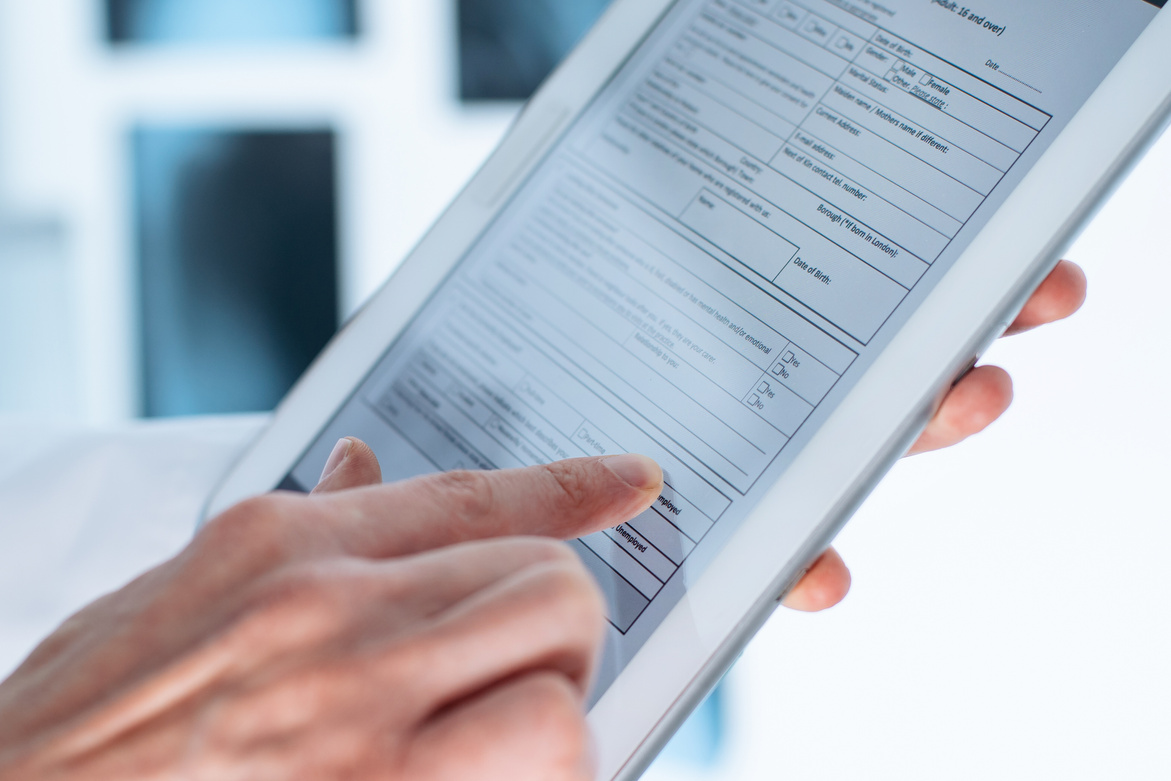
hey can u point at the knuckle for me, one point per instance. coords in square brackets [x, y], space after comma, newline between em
[297, 602]
[558, 711]
[571, 483]
[470, 495]
[248, 522]
[297, 589]
[570, 587]
[557, 701]
[560, 554]
[261, 531]
[546, 551]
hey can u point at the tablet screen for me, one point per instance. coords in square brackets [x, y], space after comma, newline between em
[719, 246]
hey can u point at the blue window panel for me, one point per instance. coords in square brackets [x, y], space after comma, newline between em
[508, 47]
[229, 21]
[238, 257]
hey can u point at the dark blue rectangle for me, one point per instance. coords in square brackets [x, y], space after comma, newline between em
[237, 245]
[508, 47]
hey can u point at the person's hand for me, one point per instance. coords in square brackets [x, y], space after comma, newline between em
[376, 632]
[976, 401]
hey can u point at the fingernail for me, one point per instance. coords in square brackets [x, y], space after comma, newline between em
[637, 471]
[340, 451]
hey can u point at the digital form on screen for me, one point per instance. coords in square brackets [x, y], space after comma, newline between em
[717, 248]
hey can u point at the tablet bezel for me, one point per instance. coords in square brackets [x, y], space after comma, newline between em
[970, 306]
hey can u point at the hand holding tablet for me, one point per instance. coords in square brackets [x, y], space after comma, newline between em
[978, 399]
[270, 644]
[757, 241]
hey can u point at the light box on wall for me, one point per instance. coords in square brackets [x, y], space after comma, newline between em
[238, 264]
[227, 21]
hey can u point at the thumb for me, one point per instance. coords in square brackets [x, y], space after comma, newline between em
[352, 464]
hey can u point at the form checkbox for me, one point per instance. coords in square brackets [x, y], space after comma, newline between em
[789, 356]
[764, 387]
[754, 400]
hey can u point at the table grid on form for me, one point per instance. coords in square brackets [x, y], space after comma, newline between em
[881, 149]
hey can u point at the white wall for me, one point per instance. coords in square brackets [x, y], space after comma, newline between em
[37, 326]
[1011, 609]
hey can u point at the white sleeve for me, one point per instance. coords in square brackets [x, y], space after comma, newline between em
[84, 512]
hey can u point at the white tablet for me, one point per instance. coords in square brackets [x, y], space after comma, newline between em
[754, 240]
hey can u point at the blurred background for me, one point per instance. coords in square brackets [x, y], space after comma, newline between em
[194, 194]
[174, 171]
